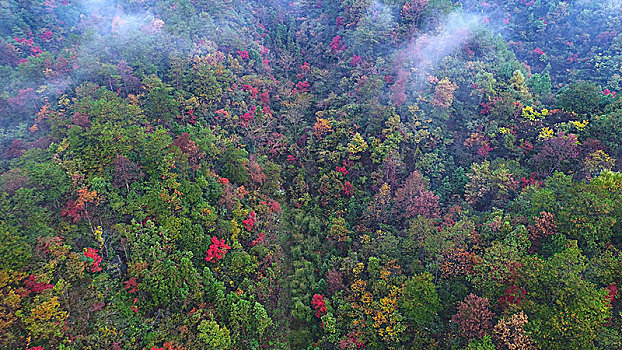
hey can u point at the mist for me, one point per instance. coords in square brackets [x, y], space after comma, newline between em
[310, 174]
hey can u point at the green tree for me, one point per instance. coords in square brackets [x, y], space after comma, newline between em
[566, 311]
[582, 98]
[214, 335]
[420, 300]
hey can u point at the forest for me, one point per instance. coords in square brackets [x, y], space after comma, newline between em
[310, 174]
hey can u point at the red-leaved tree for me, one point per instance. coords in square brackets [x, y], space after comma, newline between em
[216, 250]
[473, 318]
[319, 305]
[413, 199]
[93, 254]
[543, 227]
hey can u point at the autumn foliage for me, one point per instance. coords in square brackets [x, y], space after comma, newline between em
[410, 174]
[94, 258]
[473, 317]
[216, 250]
[319, 305]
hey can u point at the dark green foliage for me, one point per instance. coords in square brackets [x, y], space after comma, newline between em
[582, 98]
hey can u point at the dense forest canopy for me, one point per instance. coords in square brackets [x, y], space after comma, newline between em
[308, 174]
